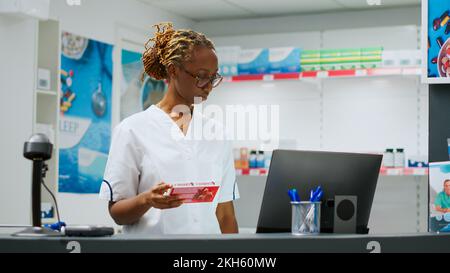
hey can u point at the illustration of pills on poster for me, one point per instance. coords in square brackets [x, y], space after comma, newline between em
[85, 113]
[438, 42]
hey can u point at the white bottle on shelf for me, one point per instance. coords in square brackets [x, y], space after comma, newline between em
[388, 158]
[399, 158]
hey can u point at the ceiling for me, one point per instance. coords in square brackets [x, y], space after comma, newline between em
[202, 10]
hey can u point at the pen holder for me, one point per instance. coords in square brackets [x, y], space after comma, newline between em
[305, 218]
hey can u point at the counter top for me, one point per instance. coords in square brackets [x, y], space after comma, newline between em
[235, 243]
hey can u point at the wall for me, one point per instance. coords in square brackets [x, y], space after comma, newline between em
[17, 55]
[312, 22]
[99, 18]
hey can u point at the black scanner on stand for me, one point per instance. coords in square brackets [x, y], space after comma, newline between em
[38, 149]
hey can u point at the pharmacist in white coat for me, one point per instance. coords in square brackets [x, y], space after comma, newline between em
[154, 149]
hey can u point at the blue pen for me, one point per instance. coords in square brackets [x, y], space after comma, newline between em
[316, 192]
[319, 188]
[292, 195]
[297, 198]
[318, 196]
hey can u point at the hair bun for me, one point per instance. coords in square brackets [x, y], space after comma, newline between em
[153, 57]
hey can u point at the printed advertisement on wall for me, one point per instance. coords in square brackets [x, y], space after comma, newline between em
[85, 122]
[440, 197]
[436, 40]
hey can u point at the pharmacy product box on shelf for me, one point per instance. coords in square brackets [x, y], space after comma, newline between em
[371, 57]
[418, 161]
[349, 58]
[253, 61]
[310, 60]
[284, 60]
[340, 59]
[228, 60]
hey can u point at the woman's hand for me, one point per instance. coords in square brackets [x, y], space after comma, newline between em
[155, 197]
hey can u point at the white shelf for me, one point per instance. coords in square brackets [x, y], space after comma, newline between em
[46, 92]
[383, 172]
[350, 73]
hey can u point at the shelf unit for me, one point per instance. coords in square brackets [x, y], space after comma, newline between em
[383, 172]
[46, 107]
[400, 71]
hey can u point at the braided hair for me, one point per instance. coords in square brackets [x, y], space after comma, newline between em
[170, 47]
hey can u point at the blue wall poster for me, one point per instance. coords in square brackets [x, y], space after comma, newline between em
[439, 197]
[85, 121]
[438, 42]
[137, 93]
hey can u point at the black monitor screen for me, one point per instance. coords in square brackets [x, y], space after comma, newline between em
[337, 173]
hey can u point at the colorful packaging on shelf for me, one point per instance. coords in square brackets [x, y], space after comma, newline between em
[260, 159]
[350, 58]
[339, 59]
[328, 59]
[310, 60]
[228, 60]
[253, 160]
[418, 162]
[199, 192]
[284, 60]
[371, 57]
[253, 61]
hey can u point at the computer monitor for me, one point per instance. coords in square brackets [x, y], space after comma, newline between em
[348, 174]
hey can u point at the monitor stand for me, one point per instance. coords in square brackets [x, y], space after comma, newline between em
[37, 232]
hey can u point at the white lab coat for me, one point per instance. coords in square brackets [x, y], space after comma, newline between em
[148, 148]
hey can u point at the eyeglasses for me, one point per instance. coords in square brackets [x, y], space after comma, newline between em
[215, 80]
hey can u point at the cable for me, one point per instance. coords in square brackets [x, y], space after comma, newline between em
[54, 199]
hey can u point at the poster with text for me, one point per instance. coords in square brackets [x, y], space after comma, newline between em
[439, 197]
[85, 121]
